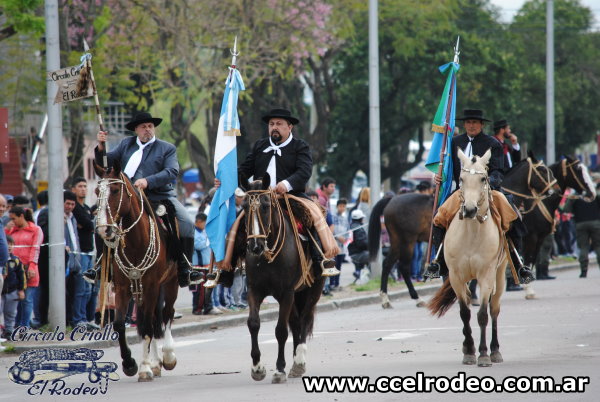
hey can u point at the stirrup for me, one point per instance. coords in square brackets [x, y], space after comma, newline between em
[525, 275]
[432, 271]
[212, 279]
[90, 276]
[199, 277]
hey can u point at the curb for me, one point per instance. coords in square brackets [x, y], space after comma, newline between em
[270, 314]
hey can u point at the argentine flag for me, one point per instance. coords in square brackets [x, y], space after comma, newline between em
[222, 209]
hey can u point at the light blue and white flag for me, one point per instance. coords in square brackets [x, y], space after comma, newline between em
[222, 209]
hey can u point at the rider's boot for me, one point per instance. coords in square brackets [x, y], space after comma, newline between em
[523, 271]
[542, 272]
[438, 266]
[316, 253]
[186, 275]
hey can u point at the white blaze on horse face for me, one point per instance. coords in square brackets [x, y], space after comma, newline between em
[101, 220]
[255, 226]
[588, 180]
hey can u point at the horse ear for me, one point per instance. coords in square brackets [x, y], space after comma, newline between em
[463, 158]
[486, 157]
[116, 167]
[243, 182]
[100, 171]
[266, 181]
[531, 155]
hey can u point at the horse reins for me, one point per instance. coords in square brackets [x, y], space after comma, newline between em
[131, 271]
[537, 197]
[254, 216]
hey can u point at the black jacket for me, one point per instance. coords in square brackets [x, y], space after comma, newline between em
[294, 164]
[584, 211]
[15, 276]
[85, 226]
[481, 143]
[359, 239]
[515, 156]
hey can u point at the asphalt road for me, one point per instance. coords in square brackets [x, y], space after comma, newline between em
[556, 335]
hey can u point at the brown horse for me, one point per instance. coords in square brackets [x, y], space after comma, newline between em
[135, 244]
[274, 267]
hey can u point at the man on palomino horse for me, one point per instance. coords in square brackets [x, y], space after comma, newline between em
[475, 143]
[151, 164]
[288, 162]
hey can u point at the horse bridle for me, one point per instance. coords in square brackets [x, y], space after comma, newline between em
[131, 271]
[254, 217]
[481, 200]
[564, 167]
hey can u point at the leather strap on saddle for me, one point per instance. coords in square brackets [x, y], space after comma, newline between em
[513, 270]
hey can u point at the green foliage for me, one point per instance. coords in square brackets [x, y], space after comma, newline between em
[23, 15]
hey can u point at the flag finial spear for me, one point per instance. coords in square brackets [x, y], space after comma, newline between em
[234, 53]
[86, 47]
[456, 51]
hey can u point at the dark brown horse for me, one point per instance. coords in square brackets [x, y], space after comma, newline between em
[407, 219]
[539, 208]
[140, 267]
[274, 267]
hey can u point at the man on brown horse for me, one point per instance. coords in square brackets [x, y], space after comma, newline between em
[288, 162]
[152, 165]
[475, 143]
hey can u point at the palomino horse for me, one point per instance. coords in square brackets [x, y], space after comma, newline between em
[539, 207]
[408, 220]
[474, 249]
[274, 267]
[140, 267]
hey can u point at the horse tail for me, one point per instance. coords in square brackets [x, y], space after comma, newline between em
[443, 299]
[374, 231]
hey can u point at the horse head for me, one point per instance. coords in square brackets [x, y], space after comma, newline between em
[115, 194]
[259, 209]
[576, 175]
[474, 186]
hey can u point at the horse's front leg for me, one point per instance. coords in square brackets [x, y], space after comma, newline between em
[258, 371]
[495, 354]
[145, 373]
[155, 361]
[281, 333]
[129, 365]
[468, 344]
[482, 319]
[168, 349]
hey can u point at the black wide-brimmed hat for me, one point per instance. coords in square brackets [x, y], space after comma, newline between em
[472, 114]
[142, 117]
[500, 124]
[282, 114]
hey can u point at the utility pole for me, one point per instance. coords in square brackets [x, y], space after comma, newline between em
[374, 144]
[550, 146]
[56, 247]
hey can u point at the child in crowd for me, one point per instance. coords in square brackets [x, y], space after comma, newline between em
[13, 290]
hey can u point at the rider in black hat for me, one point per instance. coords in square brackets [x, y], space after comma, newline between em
[475, 143]
[152, 166]
[288, 161]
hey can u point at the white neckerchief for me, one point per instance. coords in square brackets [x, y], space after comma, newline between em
[136, 158]
[75, 246]
[272, 168]
[469, 148]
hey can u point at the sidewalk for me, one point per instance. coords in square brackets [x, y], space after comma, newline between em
[190, 324]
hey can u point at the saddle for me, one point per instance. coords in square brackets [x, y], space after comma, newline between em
[166, 218]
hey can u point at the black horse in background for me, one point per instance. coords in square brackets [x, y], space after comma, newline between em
[407, 220]
[538, 207]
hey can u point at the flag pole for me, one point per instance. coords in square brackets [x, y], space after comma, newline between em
[88, 63]
[442, 154]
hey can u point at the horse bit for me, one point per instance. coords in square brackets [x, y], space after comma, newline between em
[131, 271]
[486, 188]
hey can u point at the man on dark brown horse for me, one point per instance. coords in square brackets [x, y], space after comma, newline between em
[152, 166]
[288, 162]
[475, 143]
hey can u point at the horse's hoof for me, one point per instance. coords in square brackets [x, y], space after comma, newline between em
[258, 372]
[387, 305]
[484, 361]
[297, 370]
[169, 365]
[156, 371]
[279, 377]
[469, 359]
[421, 303]
[145, 377]
[130, 371]
[496, 357]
